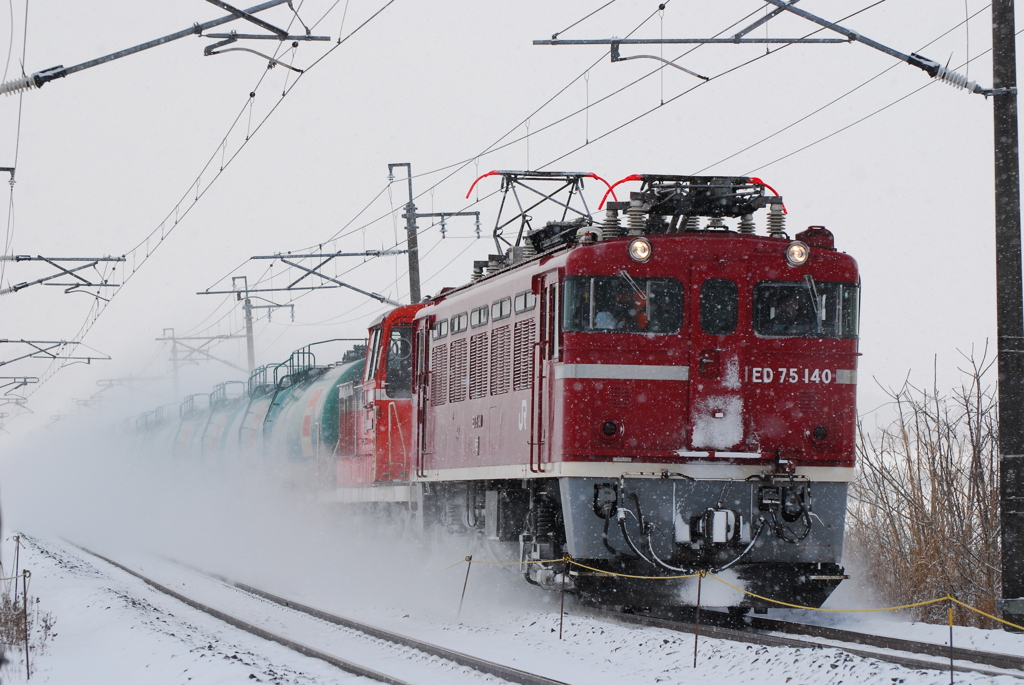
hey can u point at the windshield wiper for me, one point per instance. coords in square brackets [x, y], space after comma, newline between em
[633, 284]
[815, 300]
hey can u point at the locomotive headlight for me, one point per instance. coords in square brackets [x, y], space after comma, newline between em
[640, 250]
[797, 253]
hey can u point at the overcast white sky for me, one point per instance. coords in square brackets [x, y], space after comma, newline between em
[106, 155]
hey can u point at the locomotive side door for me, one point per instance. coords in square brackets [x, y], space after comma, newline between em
[424, 419]
[543, 433]
[717, 317]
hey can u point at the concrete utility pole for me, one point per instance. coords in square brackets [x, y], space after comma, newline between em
[412, 239]
[250, 344]
[1009, 308]
[169, 333]
[243, 294]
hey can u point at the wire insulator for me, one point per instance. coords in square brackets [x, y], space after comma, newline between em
[954, 79]
[747, 224]
[776, 222]
[611, 227]
[17, 85]
[637, 219]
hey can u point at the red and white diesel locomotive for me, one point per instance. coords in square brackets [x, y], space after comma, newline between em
[653, 394]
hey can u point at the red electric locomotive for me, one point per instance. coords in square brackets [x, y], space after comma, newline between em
[654, 394]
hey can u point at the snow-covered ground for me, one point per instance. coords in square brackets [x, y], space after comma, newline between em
[112, 628]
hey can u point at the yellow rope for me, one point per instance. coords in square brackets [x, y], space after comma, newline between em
[979, 611]
[626, 575]
[508, 563]
[834, 611]
[569, 560]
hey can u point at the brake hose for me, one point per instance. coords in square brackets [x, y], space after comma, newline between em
[750, 545]
[629, 540]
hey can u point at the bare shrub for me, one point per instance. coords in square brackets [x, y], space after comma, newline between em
[924, 510]
[14, 610]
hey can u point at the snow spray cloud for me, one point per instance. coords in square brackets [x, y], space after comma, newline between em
[247, 519]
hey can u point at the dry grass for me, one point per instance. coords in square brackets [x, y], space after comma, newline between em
[924, 511]
[20, 614]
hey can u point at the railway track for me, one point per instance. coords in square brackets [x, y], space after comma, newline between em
[716, 625]
[777, 633]
[483, 666]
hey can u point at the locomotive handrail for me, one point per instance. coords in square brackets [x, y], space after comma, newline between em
[536, 391]
[393, 410]
[423, 401]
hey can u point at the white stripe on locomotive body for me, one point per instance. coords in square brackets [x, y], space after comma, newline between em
[637, 469]
[846, 376]
[638, 372]
[605, 470]
[643, 372]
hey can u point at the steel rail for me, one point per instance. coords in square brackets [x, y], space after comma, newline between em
[1009, 661]
[839, 639]
[513, 675]
[508, 673]
[305, 650]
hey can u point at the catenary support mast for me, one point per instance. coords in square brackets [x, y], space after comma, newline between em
[1009, 307]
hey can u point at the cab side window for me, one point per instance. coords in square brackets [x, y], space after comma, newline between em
[399, 369]
[374, 360]
[719, 306]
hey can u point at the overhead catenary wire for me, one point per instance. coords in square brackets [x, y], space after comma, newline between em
[858, 121]
[602, 136]
[839, 98]
[496, 146]
[200, 193]
[555, 35]
[695, 87]
[718, 76]
[341, 234]
[9, 233]
[10, 42]
[98, 307]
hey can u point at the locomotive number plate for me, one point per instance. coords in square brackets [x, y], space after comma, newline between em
[765, 374]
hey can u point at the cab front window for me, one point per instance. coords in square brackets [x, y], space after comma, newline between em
[622, 304]
[806, 309]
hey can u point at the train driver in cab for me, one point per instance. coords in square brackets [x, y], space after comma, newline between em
[792, 315]
[627, 312]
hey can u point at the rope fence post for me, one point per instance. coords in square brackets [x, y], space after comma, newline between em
[24, 613]
[696, 623]
[17, 544]
[950, 607]
[465, 583]
[561, 607]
